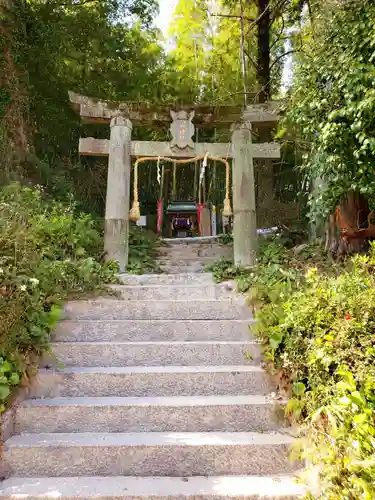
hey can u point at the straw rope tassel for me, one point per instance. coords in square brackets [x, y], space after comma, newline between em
[135, 213]
[227, 211]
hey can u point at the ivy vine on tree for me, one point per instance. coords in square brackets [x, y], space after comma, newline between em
[333, 101]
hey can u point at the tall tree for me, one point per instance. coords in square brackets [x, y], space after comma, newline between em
[106, 49]
[207, 51]
[331, 104]
[189, 31]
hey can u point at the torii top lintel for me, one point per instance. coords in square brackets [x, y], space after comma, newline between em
[101, 111]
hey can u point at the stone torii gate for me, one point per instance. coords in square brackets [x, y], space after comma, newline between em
[120, 149]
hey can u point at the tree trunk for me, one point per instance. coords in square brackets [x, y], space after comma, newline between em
[15, 135]
[263, 58]
[354, 209]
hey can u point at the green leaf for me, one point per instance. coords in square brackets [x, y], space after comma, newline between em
[14, 379]
[6, 367]
[358, 399]
[4, 391]
[360, 419]
[275, 339]
[299, 389]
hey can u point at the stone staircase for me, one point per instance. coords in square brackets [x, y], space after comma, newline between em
[160, 395]
[191, 255]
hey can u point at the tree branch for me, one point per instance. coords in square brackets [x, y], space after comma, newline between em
[278, 40]
[283, 55]
[73, 4]
[280, 33]
[233, 16]
[253, 21]
[255, 64]
[277, 9]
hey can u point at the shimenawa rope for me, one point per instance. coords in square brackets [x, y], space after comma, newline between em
[135, 214]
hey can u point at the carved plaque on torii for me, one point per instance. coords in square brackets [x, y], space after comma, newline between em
[182, 129]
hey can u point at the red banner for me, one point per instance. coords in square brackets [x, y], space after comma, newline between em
[200, 206]
[159, 224]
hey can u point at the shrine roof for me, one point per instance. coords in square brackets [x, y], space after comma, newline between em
[101, 111]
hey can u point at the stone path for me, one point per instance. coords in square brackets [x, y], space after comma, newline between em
[161, 395]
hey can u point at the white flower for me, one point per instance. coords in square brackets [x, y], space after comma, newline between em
[1, 271]
[23, 288]
[34, 281]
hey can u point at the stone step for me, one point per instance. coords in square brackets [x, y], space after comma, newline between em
[183, 253]
[146, 414]
[186, 261]
[191, 269]
[165, 279]
[282, 487]
[174, 292]
[151, 330]
[191, 241]
[216, 251]
[107, 309]
[154, 353]
[151, 381]
[148, 454]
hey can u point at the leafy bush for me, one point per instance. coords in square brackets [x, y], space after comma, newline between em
[331, 108]
[47, 253]
[319, 334]
[225, 238]
[274, 267]
[223, 270]
[143, 250]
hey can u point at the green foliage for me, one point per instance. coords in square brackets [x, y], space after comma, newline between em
[105, 49]
[318, 332]
[206, 53]
[266, 276]
[92, 48]
[143, 251]
[223, 270]
[225, 239]
[48, 252]
[5, 99]
[332, 103]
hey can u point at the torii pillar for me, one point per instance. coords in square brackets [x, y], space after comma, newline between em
[244, 208]
[116, 230]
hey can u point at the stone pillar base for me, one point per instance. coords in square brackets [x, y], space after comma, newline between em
[115, 243]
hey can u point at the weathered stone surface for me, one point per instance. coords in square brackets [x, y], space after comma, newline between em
[263, 114]
[176, 292]
[105, 419]
[116, 234]
[182, 129]
[89, 146]
[182, 262]
[166, 279]
[155, 353]
[244, 210]
[152, 381]
[101, 111]
[168, 414]
[281, 487]
[173, 269]
[148, 453]
[191, 251]
[116, 227]
[151, 330]
[107, 309]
